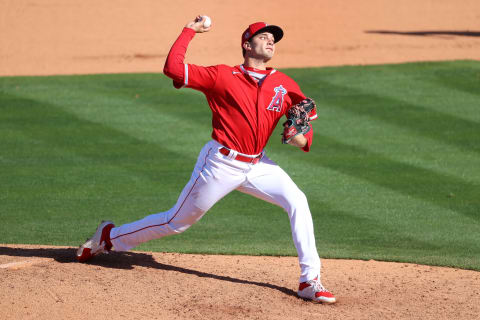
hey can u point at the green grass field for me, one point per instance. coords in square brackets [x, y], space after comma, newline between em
[394, 173]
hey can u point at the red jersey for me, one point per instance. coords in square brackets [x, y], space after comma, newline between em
[244, 111]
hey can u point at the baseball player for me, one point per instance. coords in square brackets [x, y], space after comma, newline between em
[246, 101]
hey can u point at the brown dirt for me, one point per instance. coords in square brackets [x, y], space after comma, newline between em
[47, 283]
[43, 37]
[40, 37]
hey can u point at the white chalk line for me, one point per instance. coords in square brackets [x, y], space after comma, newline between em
[21, 264]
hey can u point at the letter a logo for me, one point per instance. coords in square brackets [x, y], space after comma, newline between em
[277, 100]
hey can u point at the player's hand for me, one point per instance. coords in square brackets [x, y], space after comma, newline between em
[197, 25]
[298, 141]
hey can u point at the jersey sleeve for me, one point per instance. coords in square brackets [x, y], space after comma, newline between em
[295, 94]
[187, 75]
[200, 78]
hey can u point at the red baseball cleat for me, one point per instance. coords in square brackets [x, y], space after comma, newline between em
[99, 243]
[313, 290]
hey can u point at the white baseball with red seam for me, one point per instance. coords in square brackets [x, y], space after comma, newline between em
[207, 21]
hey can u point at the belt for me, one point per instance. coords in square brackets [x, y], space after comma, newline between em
[239, 157]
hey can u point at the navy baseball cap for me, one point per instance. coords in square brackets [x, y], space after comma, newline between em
[259, 27]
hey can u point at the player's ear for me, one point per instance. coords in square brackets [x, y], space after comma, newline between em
[247, 46]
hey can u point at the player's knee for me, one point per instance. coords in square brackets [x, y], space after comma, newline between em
[184, 220]
[296, 195]
[295, 200]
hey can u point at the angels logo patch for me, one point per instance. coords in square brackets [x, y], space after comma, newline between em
[277, 100]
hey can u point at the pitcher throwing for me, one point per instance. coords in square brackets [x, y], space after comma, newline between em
[247, 101]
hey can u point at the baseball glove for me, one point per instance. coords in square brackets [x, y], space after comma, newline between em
[298, 119]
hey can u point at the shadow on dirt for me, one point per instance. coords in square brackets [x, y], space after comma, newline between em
[464, 33]
[62, 255]
[128, 260]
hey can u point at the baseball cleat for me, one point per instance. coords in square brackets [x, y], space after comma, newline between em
[99, 243]
[313, 290]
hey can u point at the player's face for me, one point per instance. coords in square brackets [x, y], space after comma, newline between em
[263, 46]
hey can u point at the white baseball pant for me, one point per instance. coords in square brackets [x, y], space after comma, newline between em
[214, 176]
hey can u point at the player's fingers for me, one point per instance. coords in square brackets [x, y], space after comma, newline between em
[197, 24]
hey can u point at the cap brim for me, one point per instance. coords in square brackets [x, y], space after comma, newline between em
[275, 30]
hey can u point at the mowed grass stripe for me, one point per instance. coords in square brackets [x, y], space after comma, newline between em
[81, 166]
[396, 143]
[460, 133]
[424, 91]
[63, 131]
[362, 202]
[365, 237]
[446, 191]
[133, 110]
[417, 83]
[344, 120]
[119, 157]
[466, 76]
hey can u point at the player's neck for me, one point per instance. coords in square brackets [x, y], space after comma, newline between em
[259, 64]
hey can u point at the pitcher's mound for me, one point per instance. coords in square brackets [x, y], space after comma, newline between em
[40, 282]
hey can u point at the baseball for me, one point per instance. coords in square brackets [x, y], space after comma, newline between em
[208, 22]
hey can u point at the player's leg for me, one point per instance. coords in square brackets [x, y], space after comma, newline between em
[269, 182]
[210, 181]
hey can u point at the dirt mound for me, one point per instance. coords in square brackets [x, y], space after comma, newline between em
[40, 282]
